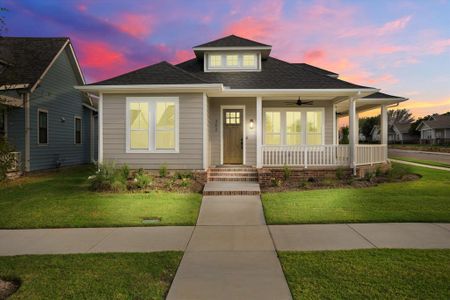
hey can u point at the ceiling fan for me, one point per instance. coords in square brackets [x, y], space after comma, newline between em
[299, 102]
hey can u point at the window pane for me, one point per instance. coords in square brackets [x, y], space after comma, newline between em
[165, 115]
[43, 128]
[314, 139]
[314, 121]
[272, 122]
[77, 131]
[249, 60]
[165, 139]
[293, 139]
[139, 115]
[139, 139]
[232, 60]
[215, 60]
[272, 139]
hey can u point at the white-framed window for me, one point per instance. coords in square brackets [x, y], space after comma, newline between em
[232, 61]
[42, 125]
[287, 126]
[77, 129]
[152, 124]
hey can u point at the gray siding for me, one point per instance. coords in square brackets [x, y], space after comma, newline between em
[56, 95]
[190, 154]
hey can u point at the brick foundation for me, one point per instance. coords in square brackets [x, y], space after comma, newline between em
[361, 171]
[200, 176]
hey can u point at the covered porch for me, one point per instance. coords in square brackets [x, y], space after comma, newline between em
[278, 131]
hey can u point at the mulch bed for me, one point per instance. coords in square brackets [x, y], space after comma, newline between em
[172, 184]
[316, 184]
[7, 288]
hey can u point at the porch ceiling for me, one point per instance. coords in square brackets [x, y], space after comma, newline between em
[363, 105]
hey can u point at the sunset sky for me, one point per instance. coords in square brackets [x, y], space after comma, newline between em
[402, 47]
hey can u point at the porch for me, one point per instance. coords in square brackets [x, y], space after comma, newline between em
[277, 131]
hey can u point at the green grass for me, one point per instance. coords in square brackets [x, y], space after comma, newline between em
[424, 200]
[92, 276]
[62, 199]
[421, 147]
[368, 274]
[422, 161]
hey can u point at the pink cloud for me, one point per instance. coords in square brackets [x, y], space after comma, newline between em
[439, 46]
[394, 26]
[135, 25]
[81, 7]
[182, 55]
[314, 55]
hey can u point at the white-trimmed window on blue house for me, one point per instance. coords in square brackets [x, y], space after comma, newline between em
[290, 127]
[42, 123]
[152, 124]
[78, 128]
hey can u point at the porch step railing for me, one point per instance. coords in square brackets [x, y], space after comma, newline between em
[321, 155]
[370, 154]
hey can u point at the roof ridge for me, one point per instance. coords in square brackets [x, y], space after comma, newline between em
[322, 75]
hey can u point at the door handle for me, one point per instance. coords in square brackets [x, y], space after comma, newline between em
[242, 143]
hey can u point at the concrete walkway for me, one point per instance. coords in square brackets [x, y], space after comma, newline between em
[419, 165]
[90, 240]
[231, 254]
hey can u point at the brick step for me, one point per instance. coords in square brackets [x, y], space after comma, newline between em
[234, 174]
[220, 188]
[234, 178]
[231, 193]
[232, 169]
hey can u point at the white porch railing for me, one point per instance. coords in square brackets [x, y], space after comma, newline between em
[370, 154]
[322, 155]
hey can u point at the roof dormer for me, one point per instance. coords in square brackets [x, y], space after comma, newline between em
[232, 54]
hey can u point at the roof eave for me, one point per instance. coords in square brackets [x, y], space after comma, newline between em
[149, 88]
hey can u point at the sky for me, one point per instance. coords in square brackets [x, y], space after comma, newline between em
[401, 46]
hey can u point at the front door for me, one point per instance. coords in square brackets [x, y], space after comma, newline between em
[233, 122]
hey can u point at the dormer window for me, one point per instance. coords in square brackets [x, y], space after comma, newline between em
[232, 62]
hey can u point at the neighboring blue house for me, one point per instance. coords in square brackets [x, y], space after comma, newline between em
[49, 123]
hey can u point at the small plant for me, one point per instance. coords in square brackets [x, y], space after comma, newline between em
[185, 182]
[368, 175]
[276, 182]
[108, 179]
[142, 180]
[397, 171]
[313, 180]
[286, 172]
[7, 159]
[378, 172]
[169, 184]
[302, 184]
[340, 174]
[125, 171]
[181, 175]
[163, 170]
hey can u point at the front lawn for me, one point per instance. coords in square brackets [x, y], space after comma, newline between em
[91, 276]
[62, 199]
[421, 161]
[421, 147]
[368, 274]
[424, 200]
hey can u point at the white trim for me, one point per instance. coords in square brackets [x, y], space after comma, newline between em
[91, 135]
[151, 87]
[259, 130]
[89, 107]
[304, 111]
[14, 86]
[39, 110]
[76, 63]
[151, 101]
[100, 128]
[75, 130]
[232, 48]
[205, 132]
[27, 131]
[334, 124]
[244, 136]
[224, 68]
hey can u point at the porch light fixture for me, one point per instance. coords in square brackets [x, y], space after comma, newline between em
[251, 123]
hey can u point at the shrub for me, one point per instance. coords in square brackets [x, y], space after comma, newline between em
[181, 175]
[340, 174]
[163, 170]
[7, 159]
[276, 182]
[108, 179]
[125, 171]
[286, 172]
[185, 182]
[368, 175]
[142, 180]
[397, 171]
[169, 184]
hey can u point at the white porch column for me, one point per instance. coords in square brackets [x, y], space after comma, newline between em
[259, 161]
[100, 129]
[356, 128]
[205, 132]
[352, 131]
[384, 128]
[335, 139]
[26, 106]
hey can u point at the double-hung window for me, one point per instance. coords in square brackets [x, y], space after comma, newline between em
[42, 127]
[152, 124]
[283, 126]
[77, 130]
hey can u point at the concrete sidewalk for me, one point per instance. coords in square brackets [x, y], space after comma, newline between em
[90, 240]
[419, 165]
[360, 236]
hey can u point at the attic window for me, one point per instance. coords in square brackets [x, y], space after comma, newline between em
[232, 61]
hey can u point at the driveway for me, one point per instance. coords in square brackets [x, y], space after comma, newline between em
[421, 155]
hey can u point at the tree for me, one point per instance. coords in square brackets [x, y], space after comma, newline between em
[366, 125]
[400, 116]
[344, 135]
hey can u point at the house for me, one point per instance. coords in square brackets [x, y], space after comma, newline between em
[234, 104]
[375, 134]
[435, 130]
[47, 121]
[401, 134]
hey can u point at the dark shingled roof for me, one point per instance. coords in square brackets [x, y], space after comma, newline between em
[275, 74]
[315, 69]
[379, 95]
[402, 127]
[439, 122]
[232, 41]
[25, 59]
[160, 73]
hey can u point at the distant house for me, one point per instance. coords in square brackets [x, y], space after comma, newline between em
[399, 133]
[375, 134]
[49, 123]
[435, 130]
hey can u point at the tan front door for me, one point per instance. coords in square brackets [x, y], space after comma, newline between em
[233, 122]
